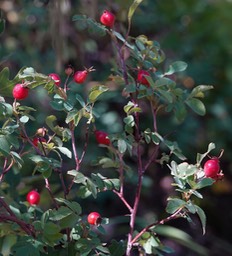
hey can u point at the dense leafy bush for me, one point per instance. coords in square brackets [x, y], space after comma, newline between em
[59, 145]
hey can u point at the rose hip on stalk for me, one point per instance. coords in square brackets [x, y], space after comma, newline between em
[56, 78]
[20, 91]
[107, 18]
[37, 140]
[94, 218]
[102, 137]
[33, 197]
[212, 168]
[80, 76]
[141, 77]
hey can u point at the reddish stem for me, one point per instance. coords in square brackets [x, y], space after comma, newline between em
[138, 189]
[175, 215]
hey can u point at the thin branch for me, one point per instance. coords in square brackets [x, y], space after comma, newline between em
[71, 126]
[85, 145]
[29, 229]
[48, 187]
[175, 215]
[123, 200]
[138, 189]
[5, 168]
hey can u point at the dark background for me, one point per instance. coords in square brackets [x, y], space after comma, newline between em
[42, 35]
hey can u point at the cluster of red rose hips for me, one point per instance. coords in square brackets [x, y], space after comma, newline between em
[33, 198]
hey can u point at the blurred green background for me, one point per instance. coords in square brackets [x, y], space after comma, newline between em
[41, 34]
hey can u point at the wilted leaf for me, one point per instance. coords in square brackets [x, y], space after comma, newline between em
[199, 90]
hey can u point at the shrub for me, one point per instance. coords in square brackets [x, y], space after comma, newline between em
[144, 85]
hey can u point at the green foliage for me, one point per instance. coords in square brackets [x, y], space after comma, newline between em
[63, 153]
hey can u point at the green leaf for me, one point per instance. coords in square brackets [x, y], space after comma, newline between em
[18, 160]
[107, 162]
[96, 91]
[164, 81]
[150, 243]
[204, 183]
[200, 157]
[25, 248]
[196, 105]
[174, 148]
[79, 177]
[80, 100]
[129, 120]
[60, 213]
[199, 90]
[6, 110]
[117, 248]
[65, 151]
[50, 121]
[6, 84]
[4, 145]
[98, 179]
[74, 206]
[176, 66]
[182, 238]
[132, 9]
[174, 204]
[122, 146]
[83, 22]
[131, 108]
[92, 187]
[52, 233]
[185, 170]
[24, 119]
[202, 217]
[96, 28]
[166, 95]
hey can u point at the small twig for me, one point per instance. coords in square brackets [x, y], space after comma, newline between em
[175, 215]
[85, 145]
[138, 189]
[71, 126]
[122, 61]
[123, 200]
[5, 168]
[29, 229]
[152, 157]
[48, 187]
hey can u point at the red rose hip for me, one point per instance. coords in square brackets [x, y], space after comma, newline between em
[33, 197]
[107, 18]
[94, 218]
[212, 168]
[36, 141]
[102, 138]
[56, 78]
[20, 92]
[141, 77]
[80, 76]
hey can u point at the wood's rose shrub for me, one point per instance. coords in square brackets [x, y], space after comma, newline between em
[60, 223]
